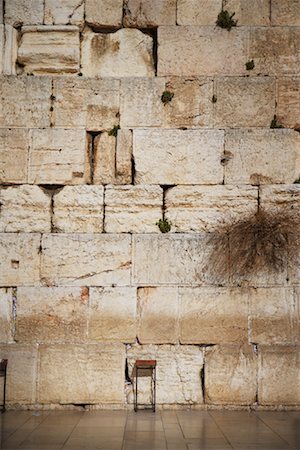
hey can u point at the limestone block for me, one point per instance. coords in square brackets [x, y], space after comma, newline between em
[178, 372]
[132, 209]
[86, 259]
[104, 166]
[68, 12]
[288, 101]
[92, 373]
[285, 13]
[24, 209]
[101, 13]
[24, 12]
[124, 157]
[256, 12]
[127, 53]
[79, 209]
[112, 314]
[294, 261]
[278, 376]
[20, 259]
[6, 315]
[14, 145]
[25, 102]
[86, 103]
[8, 49]
[262, 156]
[52, 314]
[1, 11]
[280, 198]
[185, 51]
[143, 14]
[158, 315]
[244, 102]
[198, 12]
[207, 208]
[170, 156]
[230, 375]
[58, 156]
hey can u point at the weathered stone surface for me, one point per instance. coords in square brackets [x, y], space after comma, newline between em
[14, 145]
[285, 13]
[294, 261]
[79, 209]
[230, 375]
[104, 12]
[207, 208]
[278, 376]
[52, 314]
[170, 156]
[86, 259]
[158, 315]
[256, 12]
[143, 14]
[185, 51]
[178, 372]
[124, 157]
[132, 209]
[262, 156]
[112, 315]
[288, 101]
[32, 97]
[49, 49]
[58, 156]
[198, 12]
[6, 311]
[1, 11]
[280, 198]
[68, 12]
[104, 167]
[20, 259]
[8, 49]
[24, 12]
[244, 102]
[69, 374]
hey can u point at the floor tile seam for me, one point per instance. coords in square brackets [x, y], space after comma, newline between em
[178, 421]
[69, 435]
[124, 431]
[29, 417]
[222, 432]
[275, 432]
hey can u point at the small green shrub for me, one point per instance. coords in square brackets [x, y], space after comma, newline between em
[250, 65]
[164, 225]
[114, 131]
[167, 97]
[225, 20]
[275, 124]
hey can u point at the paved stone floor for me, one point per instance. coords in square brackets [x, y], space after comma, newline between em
[173, 430]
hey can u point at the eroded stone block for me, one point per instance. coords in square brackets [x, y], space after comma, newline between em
[24, 12]
[285, 13]
[68, 12]
[104, 12]
[288, 101]
[124, 157]
[256, 12]
[8, 49]
[14, 144]
[143, 14]
[6, 315]
[198, 12]
[104, 168]
[278, 199]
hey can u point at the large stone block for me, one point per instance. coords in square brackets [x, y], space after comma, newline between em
[132, 209]
[280, 199]
[104, 13]
[198, 12]
[24, 12]
[256, 12]
[14, 144]
[1, 11]
[288, 101]
[92, 373]
[8, 49]
[230, 375]
[6, 315]
[143, 14]
[170, 156]
[79, 209]
[20, 259]
[124, 157]
[112, 315]
[49, 49]
[68, 12]
[24, 209]
[86, 259]
[104, 165]
[285, 13]
[185, 51]
[244, 102]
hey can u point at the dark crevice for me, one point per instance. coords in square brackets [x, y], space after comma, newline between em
[103, 220]
[132, 169]
[82, 406]
[127, 377]
[14, 311]
[91, 157]
[52, 190]
[138, 341]
[153, 33]
[102, 28]
[165, 188]
[258, 198]
[202, 376]
[52, 99]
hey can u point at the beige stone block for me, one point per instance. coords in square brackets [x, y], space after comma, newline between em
[278, 375]
[58, 156]
[104, 166]
[6, 315]
[14, 145]
[133, 209]
[185, 51]
[198, 12]
[262, 156]
[127, 53]
[20, 259]
[8, 49]
[49, 49]
[79, 209]
[158, 315]
[293, 261]
[244, 102]
[278, 199]
[255, 12]
[25, 102]
[143, 14]
[208, 208]
[52, 314]
[24, 209]
[230, 375]
[101, 13]
[24, 12]
[86, 259]
[1, 11]
[288, 101]
[68, 12]
[112, 314]
[178, 372]
[92, 373]
[285, 13]
[86, 103]
[124, 157]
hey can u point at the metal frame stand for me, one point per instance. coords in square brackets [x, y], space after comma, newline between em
[3, 367]
[145, 368]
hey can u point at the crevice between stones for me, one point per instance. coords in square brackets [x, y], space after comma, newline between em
[92, 150]
[14, 312]
[51, 191]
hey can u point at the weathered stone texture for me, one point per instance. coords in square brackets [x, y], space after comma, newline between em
[285, 12]
[288, 101]
[68, 12]
[280, 199]
[24, 12]
[52, 314]
[68, 374]
[1, 11]
[6, 312]
[79, 209]
[143, 14]
[14, 144]
[255, 12]
[198, 12]
[124, 157]
[8, 49]
[86, 259]
[230, 375]
[112, 314]
[102, 13]
[127, 53]
[170, 156]
[132, 209]
[104, 166]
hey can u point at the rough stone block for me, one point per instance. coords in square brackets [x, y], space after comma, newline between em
[6, 315]
[101, 13]
[288, 101]
[13, 163]
[104, 167]
[79, 209]
[170, 156]
[24, 12]
[293, 275]
[92, 373]
[280, 199]
[86, 259]
[143, 14]
[256, 12]
[198, 12]
[1, 11]
[49, 49]
[185, 51]
[244, 102]
[20, 259]
[230, 375]
[112, 315]
[68, 12]
[8, 49]
[124, 157]
[132, 209]
[285, 13]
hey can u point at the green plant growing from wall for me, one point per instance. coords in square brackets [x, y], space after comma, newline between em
[225, 20]
[114, 130]
[164, 225]
[250, 65]
[167, 97]
[275, 124]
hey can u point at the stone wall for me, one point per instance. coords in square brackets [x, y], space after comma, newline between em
[116, 115]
